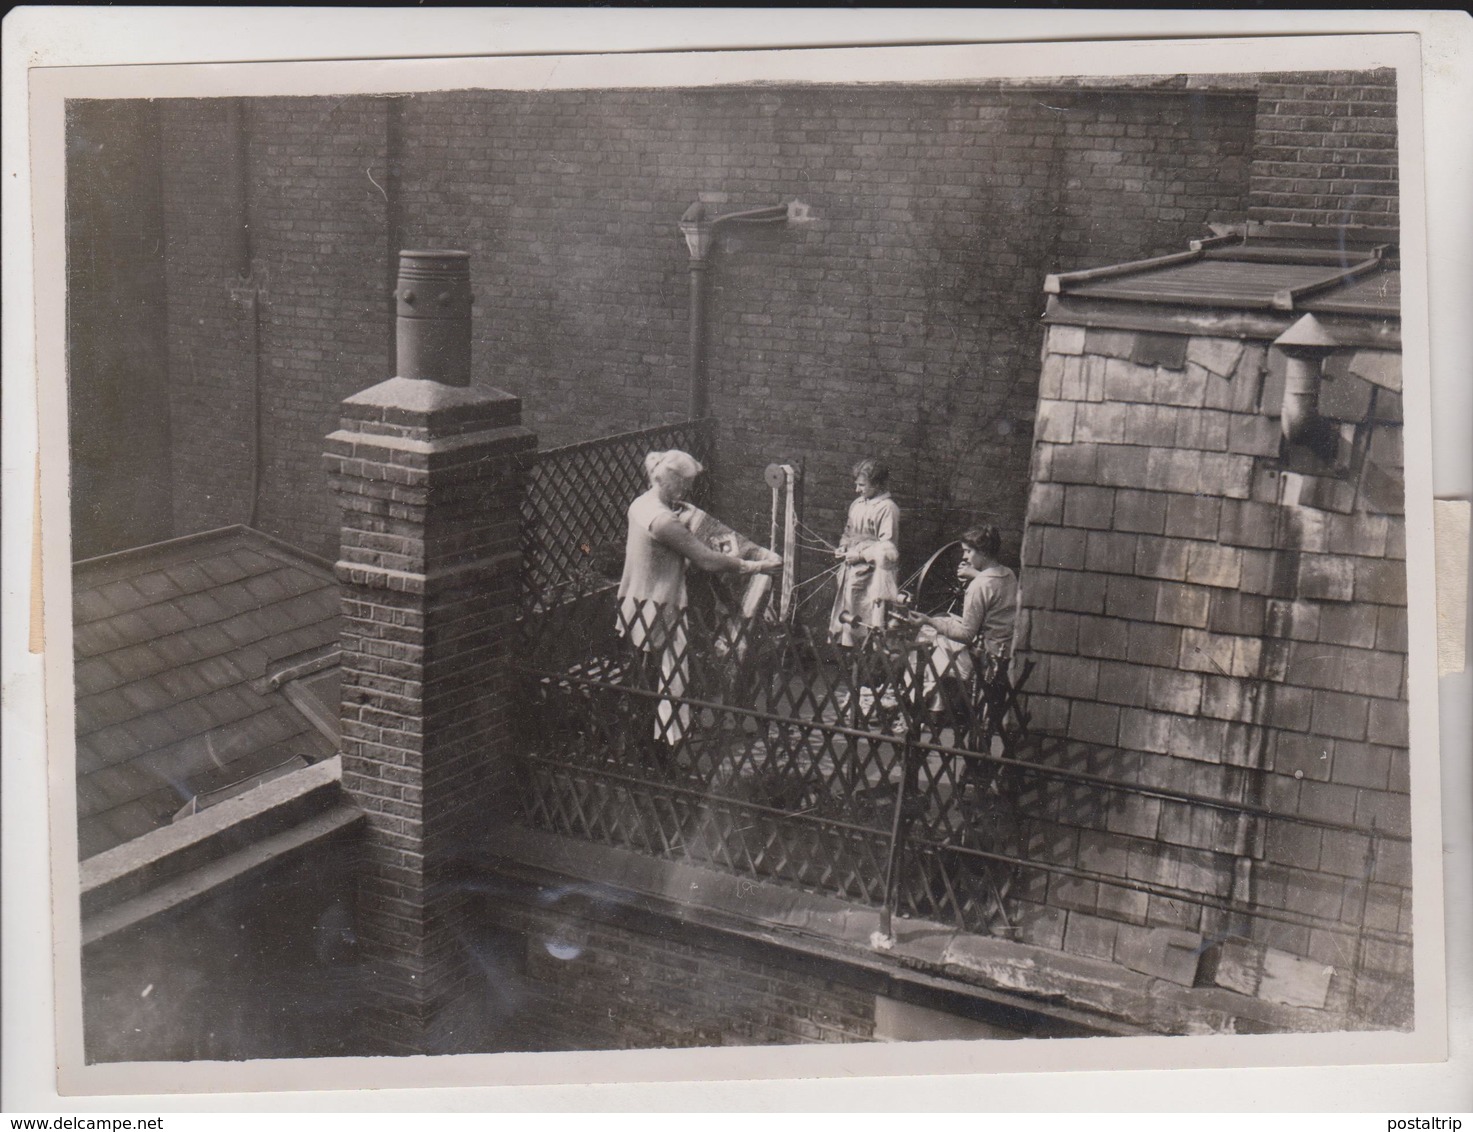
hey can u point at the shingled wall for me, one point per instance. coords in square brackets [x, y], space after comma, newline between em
[1209, 620]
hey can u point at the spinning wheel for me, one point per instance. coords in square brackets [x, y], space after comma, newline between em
[935, 588]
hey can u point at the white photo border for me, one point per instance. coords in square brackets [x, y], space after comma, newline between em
[1013, 1061]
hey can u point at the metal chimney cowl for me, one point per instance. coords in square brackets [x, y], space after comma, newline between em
[432, 301]
[1305, 346]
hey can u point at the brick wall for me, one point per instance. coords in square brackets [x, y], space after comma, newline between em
[901, 319]
[209, 356]
[1209, 620]
[431, 478]
[117, 379]
[321, 249]
[319, 258]
[1326, 149]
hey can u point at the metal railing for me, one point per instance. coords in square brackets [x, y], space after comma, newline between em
[898, 775]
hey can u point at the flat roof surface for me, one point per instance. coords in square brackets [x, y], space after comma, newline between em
[1378, 294]
[1244, 272]
[174, 646]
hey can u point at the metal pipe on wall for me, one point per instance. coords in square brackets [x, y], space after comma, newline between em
[699, 386]
[700, 238]
[392, 190]
[244, 287]
[242, 248]
[1301, 395]
[1305, 345]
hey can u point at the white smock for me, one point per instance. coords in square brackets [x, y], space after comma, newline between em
[652, 601]
[873, 531]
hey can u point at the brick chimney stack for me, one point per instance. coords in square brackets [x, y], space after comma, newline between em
[430, 473]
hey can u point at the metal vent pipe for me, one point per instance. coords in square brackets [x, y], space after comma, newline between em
[1305, 345]
[432, 303]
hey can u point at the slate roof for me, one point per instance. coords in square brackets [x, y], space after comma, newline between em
[176, 645]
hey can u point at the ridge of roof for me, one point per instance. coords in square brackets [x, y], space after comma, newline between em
[169, 552]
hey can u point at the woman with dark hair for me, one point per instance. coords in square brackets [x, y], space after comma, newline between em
[989, 612]
[990, 604]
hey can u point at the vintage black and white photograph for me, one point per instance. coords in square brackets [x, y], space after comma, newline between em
[705, 562]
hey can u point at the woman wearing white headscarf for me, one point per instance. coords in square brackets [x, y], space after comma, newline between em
[652, 593]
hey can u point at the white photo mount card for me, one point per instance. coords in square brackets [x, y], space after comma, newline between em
[392, 739]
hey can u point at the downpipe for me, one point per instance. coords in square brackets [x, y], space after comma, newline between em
[700, 238]
[245, 289]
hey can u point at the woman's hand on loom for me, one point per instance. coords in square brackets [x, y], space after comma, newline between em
[770, 563]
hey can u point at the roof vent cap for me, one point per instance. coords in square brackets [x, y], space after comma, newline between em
[1307, 336]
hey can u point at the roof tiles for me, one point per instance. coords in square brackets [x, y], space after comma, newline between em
[171, 644]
